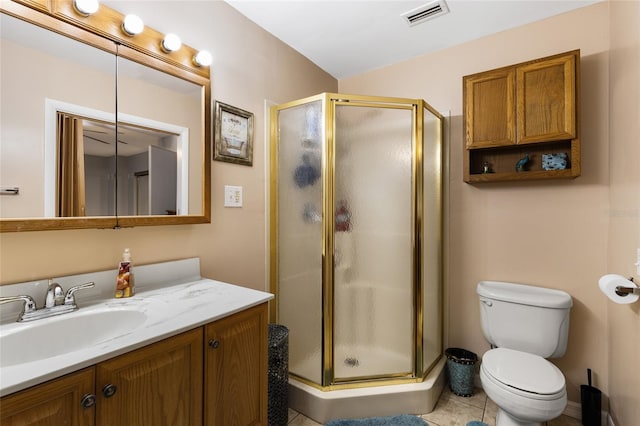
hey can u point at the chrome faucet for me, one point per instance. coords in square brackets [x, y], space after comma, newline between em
[55, 295]
[56, 302]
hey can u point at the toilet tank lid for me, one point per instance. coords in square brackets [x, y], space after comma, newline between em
[524, 294]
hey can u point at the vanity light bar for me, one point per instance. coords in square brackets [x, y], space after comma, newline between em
[153, 42]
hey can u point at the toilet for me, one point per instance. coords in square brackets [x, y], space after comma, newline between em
[525, 325]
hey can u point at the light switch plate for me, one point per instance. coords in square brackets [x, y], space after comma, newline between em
[232, 196]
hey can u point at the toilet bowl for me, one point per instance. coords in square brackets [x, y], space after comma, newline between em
[527, 388]
[526, 325]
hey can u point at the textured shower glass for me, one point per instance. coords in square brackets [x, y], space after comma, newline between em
[373, 290]
[359, 231]
[431, 241]
[299, 236]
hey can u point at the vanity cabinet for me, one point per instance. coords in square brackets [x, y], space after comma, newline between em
[219, 369]
[155, 385]
[531, 108]
[57, 402]
[235, 368]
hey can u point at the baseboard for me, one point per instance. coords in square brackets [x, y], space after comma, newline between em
[574, 409]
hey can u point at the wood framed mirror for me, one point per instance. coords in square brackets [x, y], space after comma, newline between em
[99, 130]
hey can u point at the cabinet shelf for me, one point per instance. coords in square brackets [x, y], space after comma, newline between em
[502, 161]
[514, 176]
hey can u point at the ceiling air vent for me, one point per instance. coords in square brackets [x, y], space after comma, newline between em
[425, 12]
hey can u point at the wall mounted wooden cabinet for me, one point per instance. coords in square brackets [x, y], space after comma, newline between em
[529, 108]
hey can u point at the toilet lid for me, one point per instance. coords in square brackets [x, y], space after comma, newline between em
[524, 371]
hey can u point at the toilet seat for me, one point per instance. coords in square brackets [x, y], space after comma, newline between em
[524, 374]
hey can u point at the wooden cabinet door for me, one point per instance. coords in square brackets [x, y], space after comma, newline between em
[159, 384]
[489, 108]
[546, 100]
[236, 369]
[55, 403]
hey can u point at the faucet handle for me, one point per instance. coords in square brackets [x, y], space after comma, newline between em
[29, 303]
[70, 299]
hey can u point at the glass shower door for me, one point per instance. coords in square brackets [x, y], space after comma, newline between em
[300, 235]
[373, 292]
[431, 240]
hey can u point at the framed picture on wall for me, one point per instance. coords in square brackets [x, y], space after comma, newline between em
[233, 135]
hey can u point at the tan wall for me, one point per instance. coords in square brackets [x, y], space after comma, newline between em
[551, 233]
[624, 227]
[249, 66]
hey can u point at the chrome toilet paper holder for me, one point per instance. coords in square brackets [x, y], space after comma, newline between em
[625, 291]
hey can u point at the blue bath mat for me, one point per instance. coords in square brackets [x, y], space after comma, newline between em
[477, 423]
[402, 420]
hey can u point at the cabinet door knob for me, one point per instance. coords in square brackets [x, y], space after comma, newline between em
[88, 400]
[109, 390]
[214, 343]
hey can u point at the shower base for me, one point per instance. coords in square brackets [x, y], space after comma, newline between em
[388, 400]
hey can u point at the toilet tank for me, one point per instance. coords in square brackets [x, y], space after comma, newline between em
[525, 318]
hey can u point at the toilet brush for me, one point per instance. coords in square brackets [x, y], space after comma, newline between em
[590, 399]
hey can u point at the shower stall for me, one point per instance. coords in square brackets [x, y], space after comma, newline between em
[356, 252]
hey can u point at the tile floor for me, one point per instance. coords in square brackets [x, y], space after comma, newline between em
[452, 410]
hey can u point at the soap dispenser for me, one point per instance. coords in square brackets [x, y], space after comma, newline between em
[124, 281]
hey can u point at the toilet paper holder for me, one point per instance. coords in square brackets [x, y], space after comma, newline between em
[625, 291]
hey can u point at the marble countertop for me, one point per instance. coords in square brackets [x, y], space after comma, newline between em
[169, 311]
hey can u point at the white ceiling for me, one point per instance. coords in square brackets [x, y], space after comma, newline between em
[350, 37]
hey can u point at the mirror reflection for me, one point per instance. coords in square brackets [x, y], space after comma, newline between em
[162, 103]
[146, 162]
[62, 146]
[38, 65]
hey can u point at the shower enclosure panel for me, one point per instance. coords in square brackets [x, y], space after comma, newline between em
[356, 242]
[372, 245]
[300, 234]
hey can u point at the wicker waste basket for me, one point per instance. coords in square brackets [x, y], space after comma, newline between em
[461, 365]
[278, 393]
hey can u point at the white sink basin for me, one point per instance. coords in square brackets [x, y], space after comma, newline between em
[46, 338]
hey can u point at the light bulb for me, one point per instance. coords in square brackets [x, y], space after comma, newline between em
[171, 43]
[86, 7]
[132, 25]
[203, 58]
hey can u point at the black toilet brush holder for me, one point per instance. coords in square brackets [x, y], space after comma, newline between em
[591, 400]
